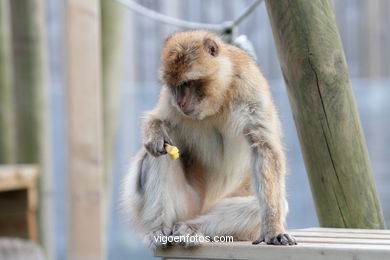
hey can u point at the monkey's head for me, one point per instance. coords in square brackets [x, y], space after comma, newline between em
[197, 72]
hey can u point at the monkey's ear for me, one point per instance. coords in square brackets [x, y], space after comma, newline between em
[211, 47]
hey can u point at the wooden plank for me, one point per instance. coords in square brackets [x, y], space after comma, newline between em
[244, 250]
[14, 177]
[325, 113]
[311, 244]
[339, 240]
[28, 171]
[86, 240]
[19, 201]
[31, 216]
[339, 235]
[347, 230]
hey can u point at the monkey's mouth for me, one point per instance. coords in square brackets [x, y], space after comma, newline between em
[185, 99]
[188, 112]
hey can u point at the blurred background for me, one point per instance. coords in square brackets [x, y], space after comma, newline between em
[33, 48]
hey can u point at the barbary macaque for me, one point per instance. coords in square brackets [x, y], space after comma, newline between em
[216, 107]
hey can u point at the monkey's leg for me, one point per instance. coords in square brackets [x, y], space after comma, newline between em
[156, 193]
[236, 216]
[268, 168]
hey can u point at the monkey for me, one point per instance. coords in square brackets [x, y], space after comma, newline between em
[216, 106]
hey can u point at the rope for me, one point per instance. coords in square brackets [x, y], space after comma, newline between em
[221, 27]
[247, 12]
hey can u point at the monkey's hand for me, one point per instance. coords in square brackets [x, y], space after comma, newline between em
[279, 239]
[155, 138]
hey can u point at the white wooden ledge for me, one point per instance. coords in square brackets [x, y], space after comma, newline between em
[313, 243]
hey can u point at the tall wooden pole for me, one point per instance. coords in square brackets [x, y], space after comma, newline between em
[112, 32]
[28, 77]
[325, 113]
[7, 123]
[31, 102]
[85, 130]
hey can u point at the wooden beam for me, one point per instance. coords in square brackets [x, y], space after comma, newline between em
[19, 201]
[112, 35]
[7, 123]
[112, 32]
[85, 130]
[313, 243]
[31, 103]
[28, 77]
[332, 142]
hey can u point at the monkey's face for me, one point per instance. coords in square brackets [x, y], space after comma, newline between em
[188, 96]
[191, 66]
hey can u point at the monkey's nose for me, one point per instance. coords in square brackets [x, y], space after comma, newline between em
[182, 104]
[182, 97]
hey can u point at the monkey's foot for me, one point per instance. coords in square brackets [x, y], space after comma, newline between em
[186, 235]
[158, 238]
[281, 239]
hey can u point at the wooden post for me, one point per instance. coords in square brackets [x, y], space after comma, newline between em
[7, 124]
[85, 130]
[31, 101]
[325, 113]
[112, 31]
[28, 79]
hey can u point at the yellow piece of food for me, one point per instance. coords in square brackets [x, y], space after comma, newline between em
[173, 151]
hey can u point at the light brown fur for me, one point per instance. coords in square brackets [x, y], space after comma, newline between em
[215, 105]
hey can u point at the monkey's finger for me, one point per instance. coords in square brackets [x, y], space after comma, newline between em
[257, 241]
[282, 239]
[274, 241]
[167, 140]
[156, 147]
[291, 240]
[160, 147]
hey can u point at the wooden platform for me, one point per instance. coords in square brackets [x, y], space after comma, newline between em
[313, 243]
[19, 201]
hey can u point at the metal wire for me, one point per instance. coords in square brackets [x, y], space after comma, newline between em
[221, 27]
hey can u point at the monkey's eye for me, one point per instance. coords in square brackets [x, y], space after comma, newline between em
[184, 84]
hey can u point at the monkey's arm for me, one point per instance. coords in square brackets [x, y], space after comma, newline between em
[268, 168]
